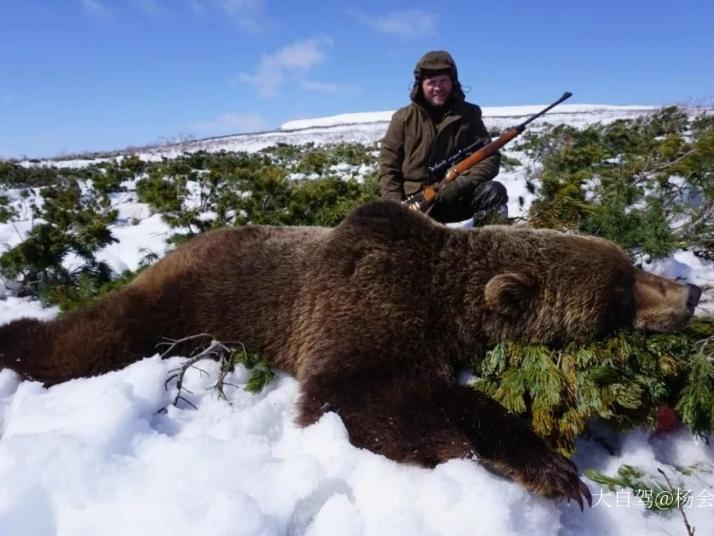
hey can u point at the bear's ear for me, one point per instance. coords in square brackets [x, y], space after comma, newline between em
[508, 293]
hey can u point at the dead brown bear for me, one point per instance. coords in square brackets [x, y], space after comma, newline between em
[373, 317]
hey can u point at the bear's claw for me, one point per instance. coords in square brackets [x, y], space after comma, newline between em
[552, 475]
[563, 481]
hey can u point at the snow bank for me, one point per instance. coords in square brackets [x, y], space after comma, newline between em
[109, 455]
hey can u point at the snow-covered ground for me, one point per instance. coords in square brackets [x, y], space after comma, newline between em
[110, 454]
[364, 128]
[578, 113]
[101, 456]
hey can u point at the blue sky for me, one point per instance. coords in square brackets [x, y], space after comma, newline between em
[80, 75]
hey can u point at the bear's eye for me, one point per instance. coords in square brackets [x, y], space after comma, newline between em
[619, 293]
[622, 305]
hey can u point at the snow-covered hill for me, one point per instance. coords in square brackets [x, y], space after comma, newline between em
[493, 115]
[364, 128]
[110, 455]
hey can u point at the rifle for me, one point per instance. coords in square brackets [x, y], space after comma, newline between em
[466, 158]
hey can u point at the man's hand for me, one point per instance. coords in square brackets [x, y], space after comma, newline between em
[416, 202]
[450, 192]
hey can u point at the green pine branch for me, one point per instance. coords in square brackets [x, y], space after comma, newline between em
[623, 380]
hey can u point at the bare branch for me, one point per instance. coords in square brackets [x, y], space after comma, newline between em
[215, 350]
[690, 529]
[173, 343]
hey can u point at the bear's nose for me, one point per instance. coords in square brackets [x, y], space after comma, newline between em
[694, 293]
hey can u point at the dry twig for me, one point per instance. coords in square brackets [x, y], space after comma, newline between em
[215, 350]
[690, 529]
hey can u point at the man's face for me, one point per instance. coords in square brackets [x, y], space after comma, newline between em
[437, 89]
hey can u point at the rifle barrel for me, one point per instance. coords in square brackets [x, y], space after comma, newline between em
[565, 96]
[495, 145]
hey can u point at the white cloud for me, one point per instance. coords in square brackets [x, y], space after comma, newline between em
[152, 7]
[406, 24]
[97, 9]
[233, 122]
[247, 13]
[326, 87]
[298, 58]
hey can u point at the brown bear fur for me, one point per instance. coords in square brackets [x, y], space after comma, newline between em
[373, 317]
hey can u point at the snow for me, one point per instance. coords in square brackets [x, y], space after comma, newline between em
[135, 241]
[509, 112]
[367, 128]
[12, 307]
[686, 266]
[111, 455]
[341, 119]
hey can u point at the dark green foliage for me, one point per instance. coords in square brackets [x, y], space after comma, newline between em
[242, 188]
[310, 158]
[324, 201]
[622, 380]
[647, 184]
[354, 154]
[260, 377]
[86, 289]
[7, 213]
[73, 220]
[164, 194]
[108, 177]
[696, 400]
[167, 190]
[204, 191]
[16, 176]
[313, 161]
[194, 193]
[509, 163]
[261, 374]
[283, 153]
[133, 164]
[263, 197]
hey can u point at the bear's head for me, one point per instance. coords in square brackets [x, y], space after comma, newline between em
[546, 286]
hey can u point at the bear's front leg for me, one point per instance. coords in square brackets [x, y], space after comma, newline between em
[508, 445]
[427, 425]
[387, 416]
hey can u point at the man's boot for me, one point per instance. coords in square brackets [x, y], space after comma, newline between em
[491, 217]
[489, 204]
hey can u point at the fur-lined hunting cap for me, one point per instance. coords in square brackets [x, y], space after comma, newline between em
[436, 62]
[433, 63]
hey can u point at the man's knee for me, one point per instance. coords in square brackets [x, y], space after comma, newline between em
[490, 194]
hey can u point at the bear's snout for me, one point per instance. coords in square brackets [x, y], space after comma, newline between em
[661, 304]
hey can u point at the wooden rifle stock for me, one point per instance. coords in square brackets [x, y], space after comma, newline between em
[429, 193]
[483, 153]
[424, 199]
